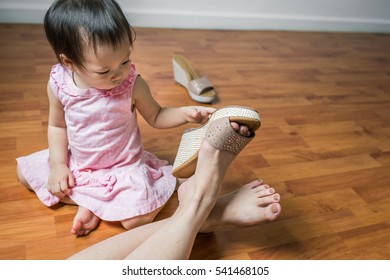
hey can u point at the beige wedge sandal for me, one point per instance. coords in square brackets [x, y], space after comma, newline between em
[199, 88]
[187, 155]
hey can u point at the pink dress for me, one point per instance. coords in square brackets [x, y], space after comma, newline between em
[114, 177]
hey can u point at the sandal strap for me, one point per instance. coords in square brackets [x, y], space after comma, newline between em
[222, 136]
[198, 86]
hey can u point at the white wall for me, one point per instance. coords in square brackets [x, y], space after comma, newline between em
[317, 15]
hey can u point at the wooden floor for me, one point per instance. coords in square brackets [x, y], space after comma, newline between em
[324, 144]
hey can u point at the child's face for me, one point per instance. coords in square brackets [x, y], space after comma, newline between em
[105, 69]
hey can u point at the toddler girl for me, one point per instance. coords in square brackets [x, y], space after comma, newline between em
[95, 157]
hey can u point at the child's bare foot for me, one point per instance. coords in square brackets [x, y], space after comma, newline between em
[253, 203]
[84, 222]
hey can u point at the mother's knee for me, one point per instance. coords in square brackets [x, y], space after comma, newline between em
[140, 220]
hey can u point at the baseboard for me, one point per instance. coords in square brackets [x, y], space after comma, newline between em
[237, 21]
[34, 14]
[17, 13]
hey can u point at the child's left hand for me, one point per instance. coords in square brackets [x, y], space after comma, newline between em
[197, 114]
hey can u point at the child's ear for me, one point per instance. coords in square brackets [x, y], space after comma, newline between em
[67, 62]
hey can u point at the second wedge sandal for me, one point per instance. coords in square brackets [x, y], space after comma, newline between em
[187, 155]
[199, 88]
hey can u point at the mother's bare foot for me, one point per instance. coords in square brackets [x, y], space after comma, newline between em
[84, 222]
[253, 203]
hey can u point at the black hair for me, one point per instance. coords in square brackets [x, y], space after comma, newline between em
[73, 25]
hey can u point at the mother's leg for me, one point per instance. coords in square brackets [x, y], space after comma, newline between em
[172, 238]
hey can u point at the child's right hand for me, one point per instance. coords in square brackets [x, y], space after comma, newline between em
[60, 181]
